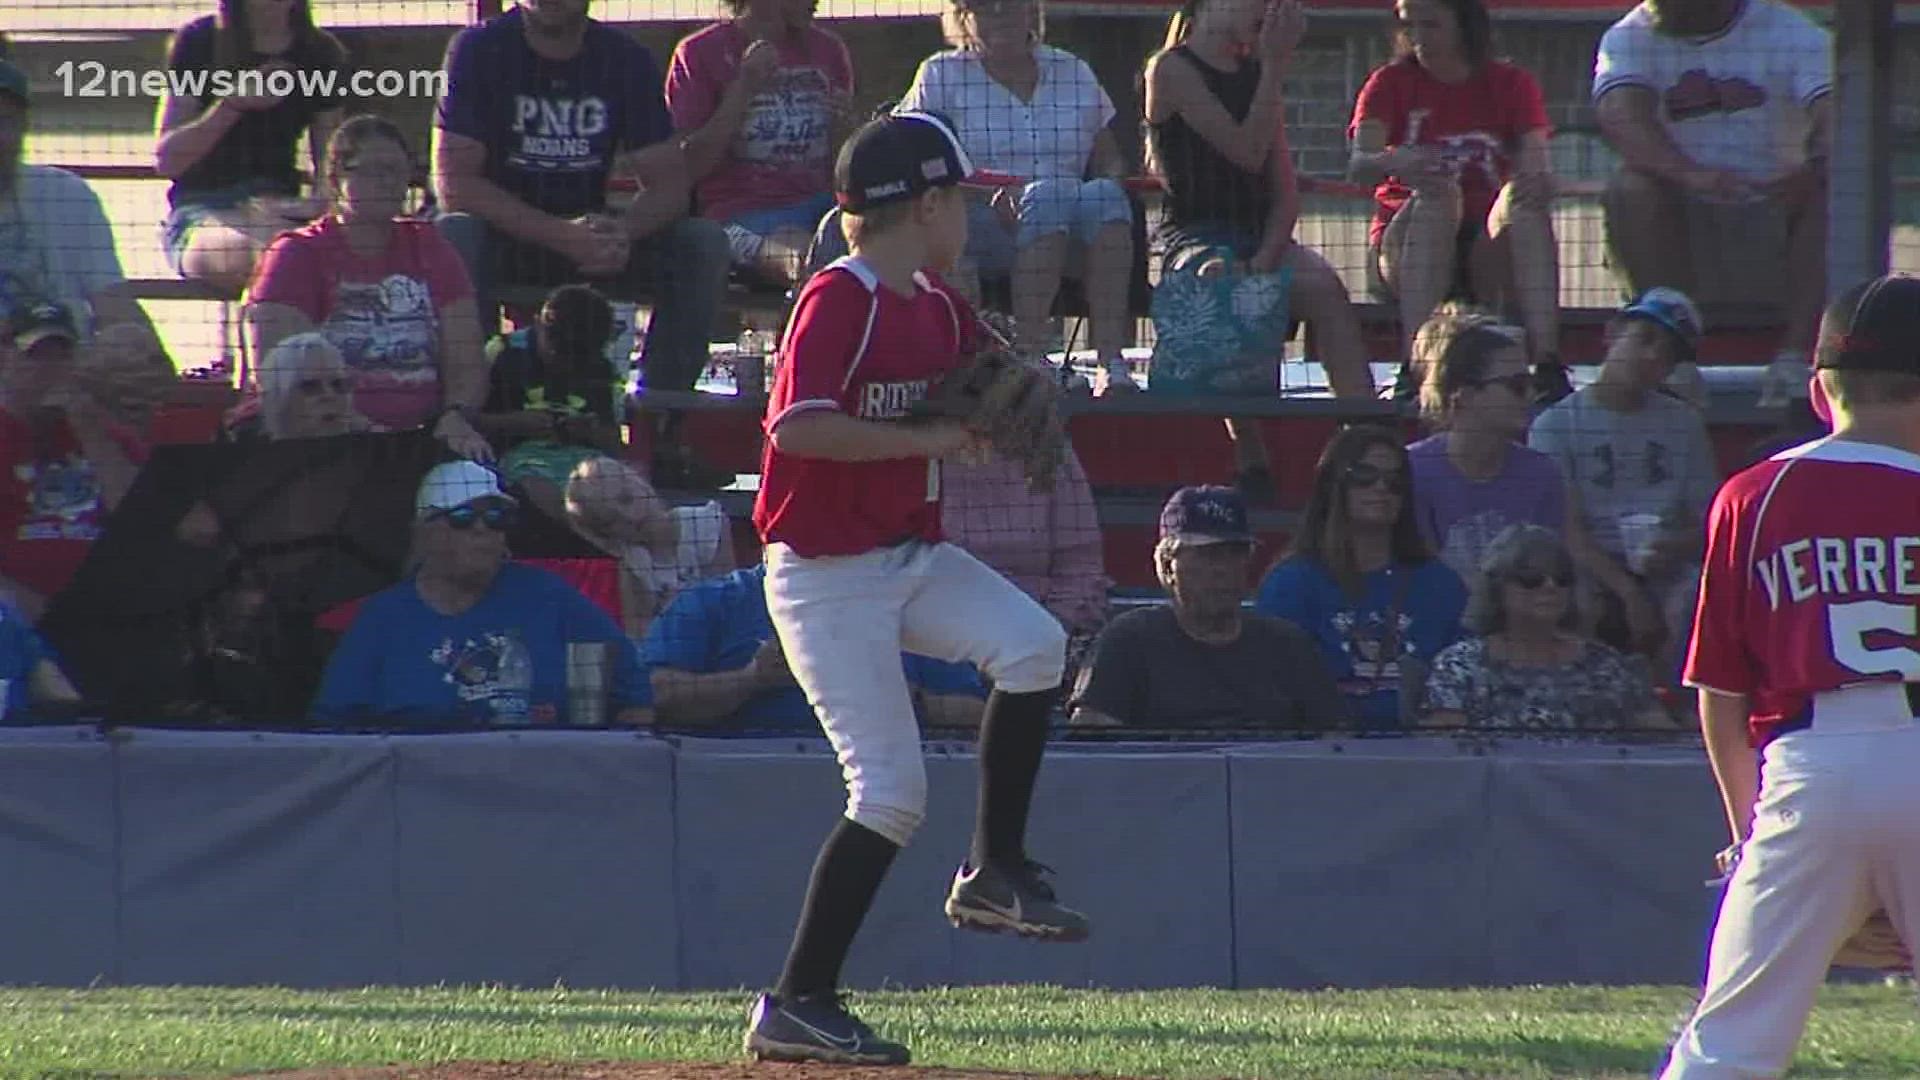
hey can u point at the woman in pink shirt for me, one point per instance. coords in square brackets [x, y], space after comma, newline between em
[389, 292]
[1049, 545]
[762, 100]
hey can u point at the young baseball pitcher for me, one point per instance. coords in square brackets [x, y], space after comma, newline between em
[1806, 650]
[849, 511]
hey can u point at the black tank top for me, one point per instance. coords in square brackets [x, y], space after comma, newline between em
[1204, 188]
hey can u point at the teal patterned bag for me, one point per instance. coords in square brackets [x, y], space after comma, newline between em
[1218, 335]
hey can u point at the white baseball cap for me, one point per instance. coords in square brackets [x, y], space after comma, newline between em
[456, 483]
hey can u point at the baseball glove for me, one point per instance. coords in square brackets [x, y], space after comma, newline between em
[1011, 401]
[1876, 946]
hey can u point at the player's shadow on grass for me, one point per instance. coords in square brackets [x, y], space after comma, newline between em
[609, 1016]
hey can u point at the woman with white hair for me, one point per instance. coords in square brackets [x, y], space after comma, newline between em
[662, 549]
[1528, 669]
[306, 390]
[1037, 113]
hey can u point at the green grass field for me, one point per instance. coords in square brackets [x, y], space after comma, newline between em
[1858, 1031]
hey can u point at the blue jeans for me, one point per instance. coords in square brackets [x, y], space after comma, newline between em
[682, 269]
[748, 232]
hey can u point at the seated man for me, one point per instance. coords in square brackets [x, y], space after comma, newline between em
[472, 637]
[1642, 465]
[55, 242]
[1203, 661]
[542, 105]
[1720, 111]
[66, 459]
[717, 667]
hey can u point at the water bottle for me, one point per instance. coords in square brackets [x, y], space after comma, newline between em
[750, 363]
[513, 682]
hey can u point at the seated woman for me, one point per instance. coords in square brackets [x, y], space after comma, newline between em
[231, 158]
[306, 390]
[661, 549]
[29, 675]
[1039, 114]
[472, 637]
[761, 100]
[390, 293]
[1457, 143]
[1215, 135]
[1527, 670]
[1047, 544]
[1363, 582]
[1474, 476]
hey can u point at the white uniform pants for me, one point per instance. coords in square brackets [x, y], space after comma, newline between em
[843, 622]
[1836, 833]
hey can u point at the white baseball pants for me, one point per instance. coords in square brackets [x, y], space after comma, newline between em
[1835, 834]
[843, 622]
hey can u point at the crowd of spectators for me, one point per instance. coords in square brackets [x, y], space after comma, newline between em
[1528, 563]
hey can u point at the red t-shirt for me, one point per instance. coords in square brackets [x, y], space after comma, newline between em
[1812, 580]
[50, 508]
[1477, 124]
[860, 348]
[382, 313]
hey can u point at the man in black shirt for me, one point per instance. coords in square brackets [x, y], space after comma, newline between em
[1202, 661]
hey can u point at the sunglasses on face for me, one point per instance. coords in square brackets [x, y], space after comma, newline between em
[1519, 383]
[1533, 579]
[499, 517]
[1365, 476]
[314, 387]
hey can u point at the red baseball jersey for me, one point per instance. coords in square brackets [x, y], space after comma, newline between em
[1476, 125]
[1812, 580]
[860, 348]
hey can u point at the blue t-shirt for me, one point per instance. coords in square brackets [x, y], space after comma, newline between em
[552, 128]
[1355, 636]
[21, 650]
[489, 664]
[720, 623]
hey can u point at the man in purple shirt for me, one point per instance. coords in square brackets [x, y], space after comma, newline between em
[541, 105]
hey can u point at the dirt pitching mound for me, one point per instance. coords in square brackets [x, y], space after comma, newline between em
[644, 1070]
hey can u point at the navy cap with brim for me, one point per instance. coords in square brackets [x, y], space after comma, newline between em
[901, 156]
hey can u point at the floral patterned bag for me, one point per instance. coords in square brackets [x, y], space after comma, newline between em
[1218, 335]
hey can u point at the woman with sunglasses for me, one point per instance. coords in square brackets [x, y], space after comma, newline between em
[1527, 669]
[1361, 579]
[1474, 477]
[472, 638]
[389, 291]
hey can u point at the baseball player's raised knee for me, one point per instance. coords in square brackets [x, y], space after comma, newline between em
[1033, 661]
[893, 808]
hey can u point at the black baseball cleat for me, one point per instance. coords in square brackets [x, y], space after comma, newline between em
[815, 1027]
[996, 898]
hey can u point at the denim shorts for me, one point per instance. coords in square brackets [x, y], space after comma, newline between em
[194, 209]
[1078, 209]
[747, 233]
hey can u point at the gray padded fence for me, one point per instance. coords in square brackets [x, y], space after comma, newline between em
[608, 859]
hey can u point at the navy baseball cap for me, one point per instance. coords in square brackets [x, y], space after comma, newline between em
[13, 81]
[900, 156]
[1873, 326]
[1211, 514]
[1671, 310]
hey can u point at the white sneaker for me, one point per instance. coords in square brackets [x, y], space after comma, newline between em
[1784, 380]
